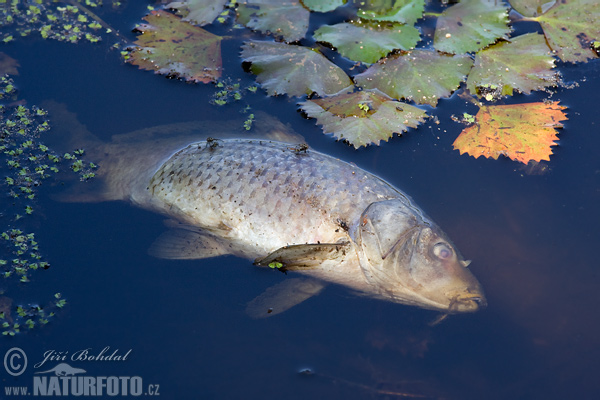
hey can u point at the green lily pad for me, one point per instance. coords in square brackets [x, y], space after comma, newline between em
[200, 12]
[176, 48]
[571, 27]
[363, 118]
[368, 42]
[470, 26]
[532, 8]
[420, 75]
[524, 64]
[323, 5]
[294, 70]
[402, 11]
[287, 19]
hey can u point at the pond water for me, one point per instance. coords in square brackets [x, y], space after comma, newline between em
[533, 240]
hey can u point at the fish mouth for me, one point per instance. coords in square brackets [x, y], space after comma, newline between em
[467, 302]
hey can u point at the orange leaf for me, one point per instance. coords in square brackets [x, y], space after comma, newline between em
[521, 132]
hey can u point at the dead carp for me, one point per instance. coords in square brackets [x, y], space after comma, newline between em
[283, 205]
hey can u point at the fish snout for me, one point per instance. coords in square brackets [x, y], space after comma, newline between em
[468, 301]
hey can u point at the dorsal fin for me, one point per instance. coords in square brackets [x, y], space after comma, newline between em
[264, 126]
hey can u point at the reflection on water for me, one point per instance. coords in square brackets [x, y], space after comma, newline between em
[532, 239]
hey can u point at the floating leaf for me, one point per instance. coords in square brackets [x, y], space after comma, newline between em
[368, 42]
[470, 26]
[522, 132]
[421, 75]
[200, 12]
[173, 47]
[323, 5]
[362, 118]
[532, 8]
[524, 64]
[295, 70]
[281, 18]
[571, 27]
[403, 11]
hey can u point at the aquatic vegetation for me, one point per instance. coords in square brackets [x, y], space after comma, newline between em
[177, 49]
[403, 11]
[420, 75]
[470, 26]
[521, 132]
[524, 64]
[377, 39]
[51, 20]
[570, 26]
[199, 12]
[18, 318]
[26, 162]
[293, 70]
[286, 19]
[363, 117]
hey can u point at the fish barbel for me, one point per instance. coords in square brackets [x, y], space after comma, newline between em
[286, 205]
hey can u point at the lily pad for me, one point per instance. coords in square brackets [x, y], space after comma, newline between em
[571, 27]
[200, 12]
[402, 11]
[420, 75]
[176, 48]
[368, 42]
[532, 8]
[470, 26]
[362, 118]
[287, 19]
[524, 64]
[323, 5]
[294, 70]
[521, 132]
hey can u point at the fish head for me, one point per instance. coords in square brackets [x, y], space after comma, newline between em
[408, 259]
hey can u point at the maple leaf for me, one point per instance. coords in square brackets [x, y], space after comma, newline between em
[364, 117]
[176, 48]
[521, 132]
[293, 70]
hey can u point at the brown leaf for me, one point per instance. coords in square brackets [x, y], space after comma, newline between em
[521, 132]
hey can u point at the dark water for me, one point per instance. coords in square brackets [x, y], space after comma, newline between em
[533, 239]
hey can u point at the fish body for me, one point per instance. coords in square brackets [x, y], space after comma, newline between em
[283, 204]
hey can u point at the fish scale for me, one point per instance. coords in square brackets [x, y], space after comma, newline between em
[280, 195]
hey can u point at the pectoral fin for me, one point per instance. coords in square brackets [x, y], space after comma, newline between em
[183, 244]
[302, 256]
[283, 296]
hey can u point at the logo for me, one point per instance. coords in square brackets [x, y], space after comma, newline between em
[66, 380]
[63, 369]
[15, 361]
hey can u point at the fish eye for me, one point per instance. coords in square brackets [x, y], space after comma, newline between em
[442, 250]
